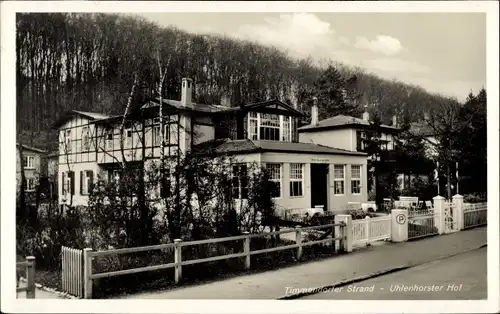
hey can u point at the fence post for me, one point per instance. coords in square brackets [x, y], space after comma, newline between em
[30, 274]
[246, 249]
[178, 260]
[439, 219]
[458, 211]
[399, 225]
[298, 241]
[87, 273]
[368, 229]
[345, 232]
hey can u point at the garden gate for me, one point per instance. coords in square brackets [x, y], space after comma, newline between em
[72, 271]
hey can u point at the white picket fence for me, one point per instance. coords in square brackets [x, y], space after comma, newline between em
[368, 230]
[72, 271]
[475, 214]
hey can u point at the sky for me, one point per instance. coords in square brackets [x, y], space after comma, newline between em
[442, 52]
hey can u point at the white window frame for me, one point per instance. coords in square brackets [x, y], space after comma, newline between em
[356, 179]
[156, 134]
[85, 138]
[272, 167]
[297, 175]
[339, 179]
[86, 182]
[253, 125]
[67, 140]
[236, 174]
[286, 126]
[29, 162]
[28, 188]
[109, 141]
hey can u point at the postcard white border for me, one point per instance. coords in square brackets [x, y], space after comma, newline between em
[10, 304]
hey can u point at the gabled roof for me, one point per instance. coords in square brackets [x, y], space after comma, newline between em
[204, 108]
[421, 129]
[74, 113]
[38, 150]
[226, 146]
[341, 121]
[177, 104]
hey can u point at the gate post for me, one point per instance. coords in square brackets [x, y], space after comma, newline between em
[345, 232]
[30, 276]
[87, 273]
[178, 260]
[399, 225]
[439, 216]
[458, 211]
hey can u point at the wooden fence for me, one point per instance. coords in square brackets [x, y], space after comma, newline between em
[72, 271]
[338, 241]
[30, 277]
[369, 230]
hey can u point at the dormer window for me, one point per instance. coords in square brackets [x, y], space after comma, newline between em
[271, 127]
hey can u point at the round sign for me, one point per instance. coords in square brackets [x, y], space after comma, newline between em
[401, 219]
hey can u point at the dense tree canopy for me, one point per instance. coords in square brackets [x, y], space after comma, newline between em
[88, 62]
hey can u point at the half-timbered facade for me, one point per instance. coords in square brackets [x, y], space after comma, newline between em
[306, 174]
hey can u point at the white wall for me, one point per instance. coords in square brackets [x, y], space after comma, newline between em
[339, 138]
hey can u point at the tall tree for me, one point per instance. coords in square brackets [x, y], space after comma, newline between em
[335, 94]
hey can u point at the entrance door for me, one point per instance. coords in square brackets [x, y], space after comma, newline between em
[319, 185]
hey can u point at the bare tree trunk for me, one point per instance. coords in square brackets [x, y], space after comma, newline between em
[122, 127]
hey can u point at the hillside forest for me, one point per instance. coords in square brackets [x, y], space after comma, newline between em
[88, 62]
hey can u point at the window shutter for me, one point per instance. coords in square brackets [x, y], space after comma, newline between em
[91, 180]
[81, 183]
[72, 179]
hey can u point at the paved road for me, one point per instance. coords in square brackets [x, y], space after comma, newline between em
[461, 277]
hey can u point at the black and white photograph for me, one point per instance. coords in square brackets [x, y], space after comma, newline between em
[190, 152]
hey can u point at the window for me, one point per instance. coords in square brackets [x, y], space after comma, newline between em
[296, 179]
[157, 135]
[274, 171]
[109, 139]
[338, 179]
[85, 138]
[29, 162]
[253, 122]
[68, 182]
[287, 128]
[360, 137]
[128, 135]
[86, 181]
[67, 141]
[269, 127]
[355, 179]
[239, 181]
[30, 184]
[273, 127]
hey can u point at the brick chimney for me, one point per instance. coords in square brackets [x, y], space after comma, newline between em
[395, 121]
[314, 112]
[225, 100]
[366, 115]
[187, 91]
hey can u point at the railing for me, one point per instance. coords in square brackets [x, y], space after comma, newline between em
[421, 223]
[475, 214]
[368, 230]
[30, 277]
[336, 241]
